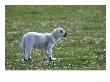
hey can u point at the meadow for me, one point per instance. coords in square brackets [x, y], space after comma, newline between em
[84, 48]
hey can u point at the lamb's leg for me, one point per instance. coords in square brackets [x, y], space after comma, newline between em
[48, 53]
[26, 54]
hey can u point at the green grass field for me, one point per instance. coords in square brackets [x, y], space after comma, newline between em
[84, 48]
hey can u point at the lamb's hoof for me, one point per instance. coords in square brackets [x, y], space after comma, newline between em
[25, 60]
[49, 59]
[29, 59]
[52, 59]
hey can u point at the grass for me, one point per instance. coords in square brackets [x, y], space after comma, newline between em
[83, 49]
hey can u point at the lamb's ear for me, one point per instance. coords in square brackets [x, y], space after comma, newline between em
[57, 29]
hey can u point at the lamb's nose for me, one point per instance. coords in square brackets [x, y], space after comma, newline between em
[65, 34]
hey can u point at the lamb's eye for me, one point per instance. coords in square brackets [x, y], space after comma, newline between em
[61, 31]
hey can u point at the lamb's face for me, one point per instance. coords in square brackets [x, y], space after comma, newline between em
[60, 32]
